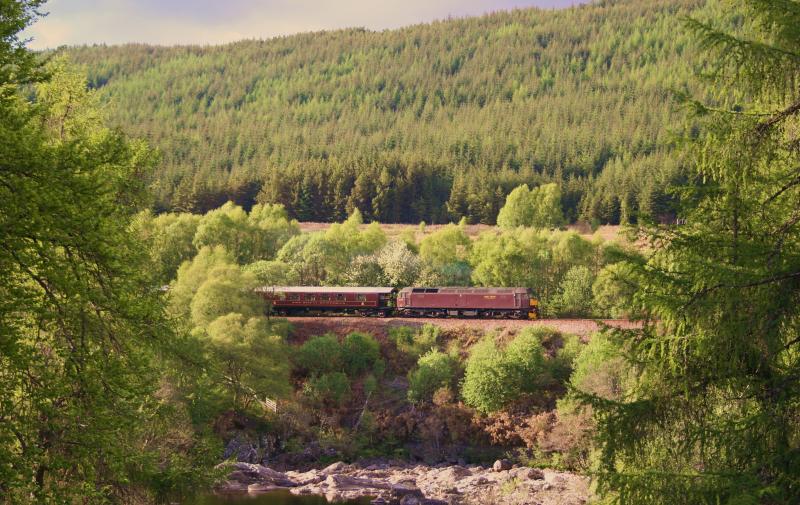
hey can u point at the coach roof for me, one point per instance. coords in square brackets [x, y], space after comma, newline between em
[323, 289]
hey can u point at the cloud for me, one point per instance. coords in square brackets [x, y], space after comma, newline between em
[213, 21]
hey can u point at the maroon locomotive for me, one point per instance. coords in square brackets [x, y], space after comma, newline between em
[467, 302]
[308, 300]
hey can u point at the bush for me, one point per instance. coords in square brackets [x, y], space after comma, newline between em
[562, 365]
[524, 356]
[412, 342]
[330, 388]
[434, 370]
[494, 377]
[361, 353]
[320, 355]
[575, 296]
[600, 369]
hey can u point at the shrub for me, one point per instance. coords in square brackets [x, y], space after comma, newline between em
[575, 296]
[562, 364]
[434, 370]
[412, 342]
[487, 383]
[320, 355]
[494, 377]
[361, 353]
[600, 369]
[329, 388]
[526, 356]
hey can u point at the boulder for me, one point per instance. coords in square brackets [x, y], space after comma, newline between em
[525, 473]
[554, 478]
[250, 473]
[453, 474]
[403, 490]
[501, 465]
[347, 482]
[338, 467]
[409, 499]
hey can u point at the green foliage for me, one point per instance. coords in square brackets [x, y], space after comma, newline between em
[713, 414]
[400, 265]
[431, 122]
[574, 297]
[257, 236]
[612, 294]
[434, 370]
[539, 207]
[252, 359]
[85, 346]
[332, 388]
[271, 273]
[170, 241]
[496, 377]
[414, 342]
[226, 289]
[600, 369]
[339, 255]
[562, 365]
[192, 274]
[361, 353]
[445, 257]
[319, 355]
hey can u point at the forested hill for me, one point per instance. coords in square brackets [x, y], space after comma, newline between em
[431, 122]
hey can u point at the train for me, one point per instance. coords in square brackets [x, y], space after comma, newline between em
[439, 302]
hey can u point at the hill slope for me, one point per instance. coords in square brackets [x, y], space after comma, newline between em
[430, 122]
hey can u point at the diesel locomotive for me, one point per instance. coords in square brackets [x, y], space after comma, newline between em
[511, 303]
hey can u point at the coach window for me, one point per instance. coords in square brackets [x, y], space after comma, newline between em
[340, 297]
[325, 297]
[362, 298]
[294, 297]
[309, 297]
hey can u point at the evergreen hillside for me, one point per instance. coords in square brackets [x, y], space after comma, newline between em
[430, 122]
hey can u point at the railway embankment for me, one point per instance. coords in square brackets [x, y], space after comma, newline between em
[304, 327]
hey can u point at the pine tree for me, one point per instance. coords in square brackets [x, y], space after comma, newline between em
[713, 415]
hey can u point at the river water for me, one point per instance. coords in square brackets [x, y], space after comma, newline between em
[272, 498]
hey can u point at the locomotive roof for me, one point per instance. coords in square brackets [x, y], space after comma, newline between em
[462, 290]
[324, 289]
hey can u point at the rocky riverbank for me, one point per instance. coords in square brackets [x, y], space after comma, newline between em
[407, 484]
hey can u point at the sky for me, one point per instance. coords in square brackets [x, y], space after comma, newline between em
[167, 22]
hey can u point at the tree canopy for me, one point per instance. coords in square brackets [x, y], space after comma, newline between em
[431, 122]
[712, 415]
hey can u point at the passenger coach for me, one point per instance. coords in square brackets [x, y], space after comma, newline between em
[310, 300]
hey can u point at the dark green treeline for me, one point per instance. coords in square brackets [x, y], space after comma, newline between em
[432, 122]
